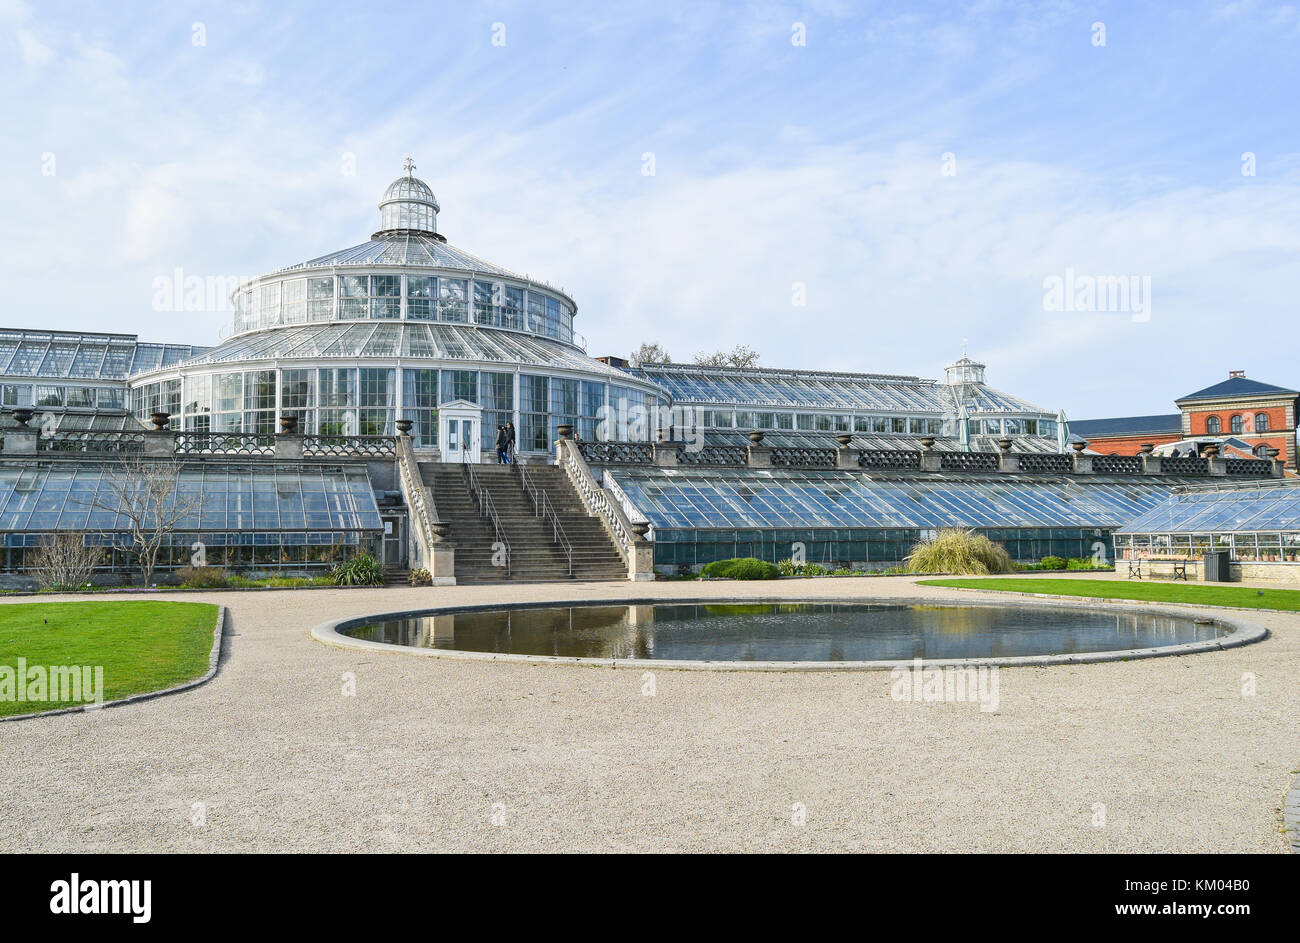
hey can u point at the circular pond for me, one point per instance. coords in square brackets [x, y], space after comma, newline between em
[770, 632]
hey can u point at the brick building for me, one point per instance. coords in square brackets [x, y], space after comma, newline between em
[1260, 415]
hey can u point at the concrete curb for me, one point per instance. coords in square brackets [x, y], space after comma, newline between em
[214, 656]
[330, 633]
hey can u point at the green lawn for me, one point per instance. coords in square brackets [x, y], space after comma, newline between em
[1236, 597]
[141, 646]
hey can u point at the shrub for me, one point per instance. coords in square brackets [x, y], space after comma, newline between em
[203, 577]
[954, 550]
[361, 570]
[1052, 563]
[421, 577]
[1080, 563]
[66, 561]
[788, 567]
[813, 569]
[742, 568]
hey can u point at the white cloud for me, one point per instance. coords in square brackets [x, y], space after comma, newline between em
[34, 52]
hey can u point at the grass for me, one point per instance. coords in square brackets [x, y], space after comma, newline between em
[1234, 597]
[142, 646]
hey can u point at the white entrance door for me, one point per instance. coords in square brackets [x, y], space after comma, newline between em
[459, 432]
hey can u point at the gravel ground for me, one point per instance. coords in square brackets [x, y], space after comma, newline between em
[442, 755]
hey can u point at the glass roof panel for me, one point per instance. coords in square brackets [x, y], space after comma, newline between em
[227, 497]
[780, 498]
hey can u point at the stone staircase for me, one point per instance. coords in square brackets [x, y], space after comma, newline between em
[534, 554]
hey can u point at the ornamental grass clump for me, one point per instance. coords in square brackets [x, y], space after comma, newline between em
[954, 550]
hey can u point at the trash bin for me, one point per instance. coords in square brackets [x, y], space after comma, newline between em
[1216, 567]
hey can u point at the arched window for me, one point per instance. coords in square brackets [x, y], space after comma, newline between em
[1238, 425]
[1213, 426]
[1261, 422]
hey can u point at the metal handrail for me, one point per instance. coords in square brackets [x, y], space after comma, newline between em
[543, 508]
[487, 508]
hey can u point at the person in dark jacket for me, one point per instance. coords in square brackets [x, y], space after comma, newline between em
[510, 442]
[503, 443]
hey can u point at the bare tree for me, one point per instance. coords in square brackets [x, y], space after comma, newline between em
[742, 355]
[649, 352]
[66, 560]
[146, 494]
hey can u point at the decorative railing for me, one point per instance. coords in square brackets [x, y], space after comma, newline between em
[543, 508]
[224, 443]
[616, 453]
[419, 499]
[888, 458]
[367, 446]
[1048, 462]
[1182, 466]
[597, 500]
[730, 455]
[1117, 464]
[1249, 467]
[106, 441]
[803, 458]
[969, 461]
[487, 508]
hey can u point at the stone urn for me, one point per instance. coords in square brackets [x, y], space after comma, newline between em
[1079, 446]
[756, 437]
[927, 442]
[440, 530]
[1212, 451]
[1148, 448]
[640, 528]
[565, 430]
[1004, 444]
[404, 426]
[288, 424]
[844, 438]
[23, 416]
[160, 420]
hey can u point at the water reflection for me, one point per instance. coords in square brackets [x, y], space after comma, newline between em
[788, 631]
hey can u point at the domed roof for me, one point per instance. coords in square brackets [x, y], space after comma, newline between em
[409, 205]
[409, 188]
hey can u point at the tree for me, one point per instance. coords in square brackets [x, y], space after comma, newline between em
[65, 560]
[649, 352]
[742, 355]
[146, 494]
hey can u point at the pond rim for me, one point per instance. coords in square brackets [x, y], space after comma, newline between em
[1242, 632]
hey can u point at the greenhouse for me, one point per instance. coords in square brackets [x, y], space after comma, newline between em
[1254, 524]
[245, 514]
[698, 515]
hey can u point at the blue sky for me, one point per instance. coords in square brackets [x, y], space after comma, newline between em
[774, 165]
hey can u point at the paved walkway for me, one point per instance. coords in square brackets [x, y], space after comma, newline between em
[429, 752]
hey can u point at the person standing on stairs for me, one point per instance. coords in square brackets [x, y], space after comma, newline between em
[503, 443]
[510, 442]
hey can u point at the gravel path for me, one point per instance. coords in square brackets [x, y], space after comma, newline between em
[443, 755]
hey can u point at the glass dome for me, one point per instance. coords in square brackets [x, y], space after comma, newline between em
[409, 204]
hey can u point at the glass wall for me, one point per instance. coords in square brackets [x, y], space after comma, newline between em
[876, 547]
[365, 401]
[390, 296]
